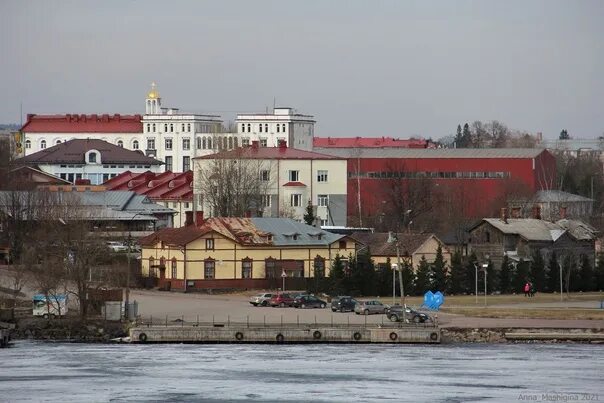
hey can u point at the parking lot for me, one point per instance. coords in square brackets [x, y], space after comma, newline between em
[236, 308]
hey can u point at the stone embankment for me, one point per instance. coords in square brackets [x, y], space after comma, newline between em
[506, 335]
[68, 329]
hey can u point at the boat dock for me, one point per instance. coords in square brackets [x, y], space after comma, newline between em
[284, 333]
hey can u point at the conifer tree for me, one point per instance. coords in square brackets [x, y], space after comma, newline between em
[409, 279]
[309, 216]
[457, 277]
[520, 276]
[423, 277]
[505, 276]
[439, 272]
[599, 275]
[553, 274]
[586, 275]
[537, 272]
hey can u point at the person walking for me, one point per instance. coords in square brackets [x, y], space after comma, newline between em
[527, 289]
[531, 290]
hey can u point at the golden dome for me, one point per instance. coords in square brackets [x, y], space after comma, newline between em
[154, 93]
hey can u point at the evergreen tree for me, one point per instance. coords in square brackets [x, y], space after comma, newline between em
[469, 283]
[600, 273]
[537, 272]
[586, 275]
[458, 136]
[520, 276]
[309, 216]
[505, 275]
[571, 277]
[384, 279]
[409, 279]
[553, 274]
[439, 272]
[492, 278]
[336, 276]
[456, 279]
[564, 135]
[423, 277]
[466, 137]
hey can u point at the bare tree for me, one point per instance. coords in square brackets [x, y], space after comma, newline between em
[234, 186]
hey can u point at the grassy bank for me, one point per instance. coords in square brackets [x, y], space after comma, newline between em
[528, 313]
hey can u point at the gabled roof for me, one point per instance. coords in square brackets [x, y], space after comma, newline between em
[379, 246]
[157, 186]
[37, 177]
[533, 229]
[247, 231]
[272, 153]
[73, 123]
[392, 152]
[559, 196]
[74, 152]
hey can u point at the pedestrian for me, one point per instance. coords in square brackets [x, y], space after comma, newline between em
[532, 290]
[527, 289]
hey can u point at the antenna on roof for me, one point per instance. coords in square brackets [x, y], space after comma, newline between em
[274, 103]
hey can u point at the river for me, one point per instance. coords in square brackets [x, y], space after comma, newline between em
[38, 371]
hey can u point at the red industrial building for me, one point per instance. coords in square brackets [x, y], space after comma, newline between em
[464, 182]
[370, 142]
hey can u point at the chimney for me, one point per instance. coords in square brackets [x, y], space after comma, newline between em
[516, 212]
[282, 145]
[189, 218]
[504, 215]
[562, 212]
[255, 145]
[199, 218]
[536, 212]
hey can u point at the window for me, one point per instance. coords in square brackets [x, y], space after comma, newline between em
[209, 269]
[246, 268]
[322, 176]
[182, 127]
[148, 127]
[43, 144]
[245, 142]
[266, 200]
[92, 158]
[153, 127]
[270, 270]
[283, 127]
[186, 164]
[322, 200]
[342, 245]
[186, 204]
[249, 127]
[278, 128]
[151, 267]
[58, 142]
[296, 200]
[168, 162]
[186, 144]
[165, 128]
[294, 176]
[174, 272]
[27, 144]
[171, 128]
[189, 127]
[260, 128]
[150, 144]
[263, 143]
[242, 128]
[210, 244]
[209, 143]
[199, 143]
[265, 175]
[135, 145]
[266, 127]
[120, 143]
[168, 144]
[319, 267]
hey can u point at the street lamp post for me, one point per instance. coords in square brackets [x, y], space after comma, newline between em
[476, 283]
[391, 239]
[485, 267]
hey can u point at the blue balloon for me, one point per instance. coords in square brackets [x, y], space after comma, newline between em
[428, 298]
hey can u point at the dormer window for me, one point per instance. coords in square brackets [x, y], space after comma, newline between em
[92, 158]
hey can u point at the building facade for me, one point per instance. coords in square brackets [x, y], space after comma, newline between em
[293, 178]
[284, 124]
[240, 253]
[92, 160]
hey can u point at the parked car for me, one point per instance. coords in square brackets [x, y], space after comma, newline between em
[117, 246]
[261, 299]
[395, 314]
[281, 300]
[370, 307]
[309, 301]
[343, 304]
[298, 294]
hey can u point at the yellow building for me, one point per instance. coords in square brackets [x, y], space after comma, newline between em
[412, 246]
[241, 253]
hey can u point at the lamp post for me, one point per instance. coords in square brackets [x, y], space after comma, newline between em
[476, 283]
[485, 266]
[394, 239]
[127, 301]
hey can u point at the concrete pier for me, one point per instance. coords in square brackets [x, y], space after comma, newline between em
[233, 333]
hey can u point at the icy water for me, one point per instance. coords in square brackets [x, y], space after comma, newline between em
[34, 371]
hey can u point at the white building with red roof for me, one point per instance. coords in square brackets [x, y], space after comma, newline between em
[293, 179]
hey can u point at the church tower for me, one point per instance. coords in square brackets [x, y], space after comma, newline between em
[153, 102]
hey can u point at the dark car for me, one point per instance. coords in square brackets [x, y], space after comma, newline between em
[343, 304]
[309, 301]
[395, 314]
[281, 300]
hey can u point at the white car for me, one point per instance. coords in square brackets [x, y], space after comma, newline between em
[261, 299]
[117, 246]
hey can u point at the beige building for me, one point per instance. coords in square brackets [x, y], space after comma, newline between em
[241, 253]
[292, 178]
[412, 247]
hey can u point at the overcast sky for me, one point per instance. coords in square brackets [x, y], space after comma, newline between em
[362, 68]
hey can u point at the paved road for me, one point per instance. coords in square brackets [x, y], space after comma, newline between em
[236, 308]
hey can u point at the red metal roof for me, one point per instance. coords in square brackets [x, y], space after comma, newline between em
[72, 123]
[294, 184]
[368, 142]
[275, 153]
[162, 186]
